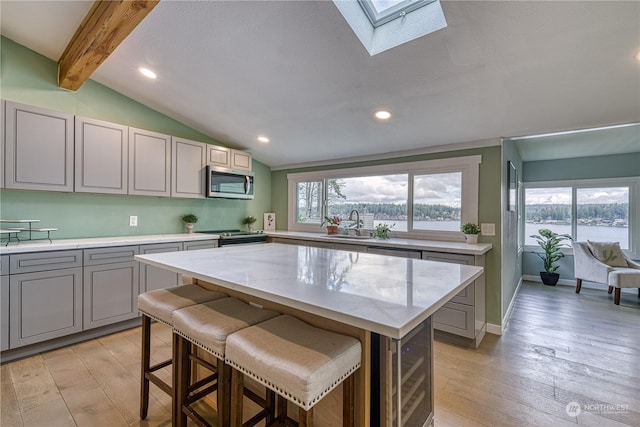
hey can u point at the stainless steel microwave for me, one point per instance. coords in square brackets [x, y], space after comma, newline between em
[229, 183]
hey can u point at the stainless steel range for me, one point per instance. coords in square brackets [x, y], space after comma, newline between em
[237, 237]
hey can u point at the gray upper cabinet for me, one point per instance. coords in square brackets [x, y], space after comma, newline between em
[240, 160]
[188, 168]
[101, 161]
[38, 148]
[218, 156]
[149, 163]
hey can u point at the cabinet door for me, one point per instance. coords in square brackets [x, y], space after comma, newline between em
[467, 295]
[110, 293]
[189, 161]
[44, 305]
[2, 142]
[155, 277]
[4, 313]
[200, 244]
[149, 163]
[218, 156]
[39, 148]
[240, 160]
[458, 319]
[102, 152]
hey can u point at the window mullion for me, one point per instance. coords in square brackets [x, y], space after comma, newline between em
[574, 212]
[410, 177]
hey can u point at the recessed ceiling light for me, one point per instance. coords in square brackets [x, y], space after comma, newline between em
[264, 139]
[147, 72]
[382, 115]
[638, 56]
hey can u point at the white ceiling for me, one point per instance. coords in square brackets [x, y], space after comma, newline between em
[294, 71]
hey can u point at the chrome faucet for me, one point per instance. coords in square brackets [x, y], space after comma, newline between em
[358, 223]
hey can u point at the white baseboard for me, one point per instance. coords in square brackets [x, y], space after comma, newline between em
[494, 329]
[572, 283]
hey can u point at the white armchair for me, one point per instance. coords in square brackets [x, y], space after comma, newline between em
[588, 267]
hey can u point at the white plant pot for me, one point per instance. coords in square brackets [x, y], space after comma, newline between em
[189, 227]
[471, 238]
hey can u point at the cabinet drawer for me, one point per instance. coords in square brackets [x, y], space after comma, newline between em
[109, 255]
[4, 265]
[43, 261]
[455, 318]
[200, 244]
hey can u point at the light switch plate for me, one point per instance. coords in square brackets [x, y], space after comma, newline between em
[133, 221]
[488, 229]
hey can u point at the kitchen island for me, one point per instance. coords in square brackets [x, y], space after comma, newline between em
[386, 302]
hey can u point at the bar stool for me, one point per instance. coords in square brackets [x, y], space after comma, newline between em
[207, 326]
[159, 305]
[301, 363]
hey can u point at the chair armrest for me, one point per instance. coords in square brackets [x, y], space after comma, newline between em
[632, 264]
[587, 267]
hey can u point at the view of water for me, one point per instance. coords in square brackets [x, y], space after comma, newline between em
[585, 232]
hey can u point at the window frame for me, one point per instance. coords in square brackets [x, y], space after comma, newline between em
[634, 201]
[469, 166]
[394, 12]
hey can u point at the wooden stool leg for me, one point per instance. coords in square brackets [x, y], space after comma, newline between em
[348, 402]
[224, 394]
[610, 290]
[578, 285]
[270, 399]
[145, 364]
[181, 379]
[616, 298]
[237, 394]
[282, 410]
[305, 418]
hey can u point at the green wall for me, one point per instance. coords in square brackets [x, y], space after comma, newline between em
[596, 167]
[30, 78]
[489, 208]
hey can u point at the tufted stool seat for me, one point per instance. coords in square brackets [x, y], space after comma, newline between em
[159, 305]
[207, 326]
[301, 363]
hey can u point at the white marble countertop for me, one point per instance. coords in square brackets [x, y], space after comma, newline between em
[394, 242]
[98, 242]
[383, 294]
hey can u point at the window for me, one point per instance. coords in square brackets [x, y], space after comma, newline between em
[428, 199]
[380, 12]
[586, 210]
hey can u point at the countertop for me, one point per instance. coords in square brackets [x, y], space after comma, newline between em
[383, 294]
[99, 242]
[423, 245]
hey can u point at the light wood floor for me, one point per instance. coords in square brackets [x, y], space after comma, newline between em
[557, 348]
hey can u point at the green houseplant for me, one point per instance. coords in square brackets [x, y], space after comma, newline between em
[551, 244]
[249, 220]
[470, 231]
[332, 223]
[382, 231]
[189, 219]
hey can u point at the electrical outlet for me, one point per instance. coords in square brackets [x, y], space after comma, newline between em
[488, 229]
[133, 221]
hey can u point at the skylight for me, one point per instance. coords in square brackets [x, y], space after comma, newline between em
[380, 12]
[384, 24]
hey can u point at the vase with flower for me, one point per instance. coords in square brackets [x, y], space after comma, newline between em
[332, 224]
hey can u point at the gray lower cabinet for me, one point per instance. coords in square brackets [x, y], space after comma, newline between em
[200, 244]
[101, 156]
[38, 148]
[4, 302]
[110, 287]
[44, 305]
[155, 277]
[464, 315]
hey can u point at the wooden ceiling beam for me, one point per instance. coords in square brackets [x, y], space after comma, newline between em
[106, 25]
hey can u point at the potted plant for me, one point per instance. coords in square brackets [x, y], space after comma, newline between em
[551, 244]
[189, 220]
[249, 221]
[382, 231]
[470, 231]
[332, 224]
